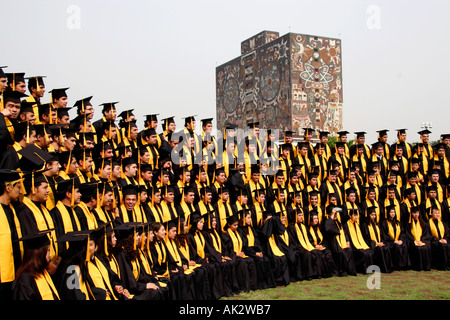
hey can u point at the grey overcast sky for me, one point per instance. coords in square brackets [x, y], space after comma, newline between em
[160, 56]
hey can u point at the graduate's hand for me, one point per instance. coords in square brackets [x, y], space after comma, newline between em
[348, 244]
[192, 263]
[380, 244]
[240, 254]
[53, 266]
[399, 242]
[175, 270]
[185, 267]
[259, 254]
[152, 286]
[6, 112]
[443, 241]
[126, 293]
[119, 289]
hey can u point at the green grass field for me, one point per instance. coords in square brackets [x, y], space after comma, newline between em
[399, 285]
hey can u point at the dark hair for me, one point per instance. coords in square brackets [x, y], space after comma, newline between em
[34, 262]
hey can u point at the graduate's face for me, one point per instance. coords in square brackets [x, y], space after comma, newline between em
[130, 201]
[352, 197]
[225, 196]
[32, 138]
[114, 239]
[200, 225]
[14, 108]
[379, 151]
[343, 138]
[143, 196]
[355, 218]
[304, 151]
[234, 226]
[116, 172]
[434, 177]
[145, 157]
[3, 84]
[169, 197]
[315, 221]
[314, 200]
[402, 137]
[288, 139]
[172, 233]
[280, 197]
[61, 102]
[41, 193]
[161, 233]
[391, 194]
[432, 194]
[412, 196]
[313, 182]
[189, 197]
[107, 199]
[73, 166]
[392, 213]
[134, 133]
[415, 215]
[399, 152]
[294, 179]
[92, 249]
[300, 217]
[283, 219]
[13, 190]
[435, 214]
[280, 180]
[324, 139]
[70, 143]
[106, 172]
[151, 235]
[248, 219]
[371, 179]
[333, 200]
[76, 196]
[286, 153]
[157, 197]
[255, 177]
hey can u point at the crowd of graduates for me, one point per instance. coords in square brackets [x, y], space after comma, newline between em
[95, 210]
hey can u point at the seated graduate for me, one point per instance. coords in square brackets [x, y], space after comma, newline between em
[199, 254]
[312, 265]
[274, 227]
[362, 253]
[245, 266]
[393, 234]
[418, 240]
[373, 237]
[164, 263]
[254, 249]
[217, 253]
[439, 241]
[201, 287]
[131, 274]
[88, 202]
[316, 238]
[33, 282]
[339, 243]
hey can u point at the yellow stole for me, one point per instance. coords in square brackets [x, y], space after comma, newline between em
[44, 222]
[317, 239]
[397, 208]
[100, 277]
[259, 213]
[429, 205]
[356, 235]
[216, 241]
[374, 232]
[273, 245]
[416, 230]
[90, 218]
[237, 241]
[162, 256]
[114, 265]
[101, 214]
[434, 230]
[223, 214]
[46, 287]
[200, 242]
[7, 270]
[342, 241]
[166, 212]
[65, 215]
[280, 209]
[303, 237]
[250, 237]
[394, 234]
[377, 208]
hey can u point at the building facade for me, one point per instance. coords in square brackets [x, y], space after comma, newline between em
[286, 83]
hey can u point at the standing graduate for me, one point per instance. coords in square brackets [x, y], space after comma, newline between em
[11, 250]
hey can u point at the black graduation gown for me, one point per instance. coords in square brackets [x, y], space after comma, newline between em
[245, 266]
[227, 267]
[265, 277]
[343, 258]
[399, 253]
[10, 159]
[420, 255]
[382, 255]
[5, 136]
[168, 264]
[279, 262]
[215, 277]
[329, 267]
[363, 257]
[440, 252]
[25, 288]
[312, 266]
[137, 287]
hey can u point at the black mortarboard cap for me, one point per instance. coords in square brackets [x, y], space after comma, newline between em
[58, 93]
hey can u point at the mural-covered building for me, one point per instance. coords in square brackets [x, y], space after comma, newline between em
[286, 83]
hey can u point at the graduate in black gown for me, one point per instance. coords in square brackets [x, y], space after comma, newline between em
[33, 282]
[340, 247]
[372, 235]
[253, 249]
[245, 266]
[312, 265]
[362, 253]
[439, 241]
[126, 255]
[419, 241]
[393, 234]
[316, 238]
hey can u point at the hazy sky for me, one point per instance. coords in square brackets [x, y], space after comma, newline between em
[160, 56]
